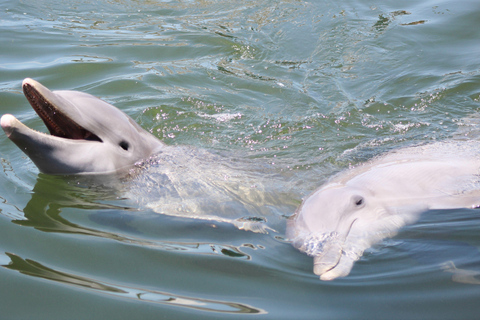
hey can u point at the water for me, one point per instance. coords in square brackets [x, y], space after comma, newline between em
[303, 88]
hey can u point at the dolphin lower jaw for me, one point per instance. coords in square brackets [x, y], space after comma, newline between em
[56, 155]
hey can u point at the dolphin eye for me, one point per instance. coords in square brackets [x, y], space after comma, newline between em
[358, 201]
[124, 145]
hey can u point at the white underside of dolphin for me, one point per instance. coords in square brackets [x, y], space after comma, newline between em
[87, 135]
[366, 204]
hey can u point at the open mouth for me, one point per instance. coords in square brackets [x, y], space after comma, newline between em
[57, 123]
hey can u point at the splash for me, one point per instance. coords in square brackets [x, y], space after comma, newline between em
[315, 244]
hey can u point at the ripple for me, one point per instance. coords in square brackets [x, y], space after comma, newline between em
[36, 269]
[58, 61]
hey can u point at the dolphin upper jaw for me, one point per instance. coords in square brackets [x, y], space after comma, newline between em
[56, 112]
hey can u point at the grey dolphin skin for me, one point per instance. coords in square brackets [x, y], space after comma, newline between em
[87, 135]
[370, 202]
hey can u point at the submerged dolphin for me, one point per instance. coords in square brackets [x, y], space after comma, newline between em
[87, 135]
[373, 201]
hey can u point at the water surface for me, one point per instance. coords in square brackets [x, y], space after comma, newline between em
[292, 90]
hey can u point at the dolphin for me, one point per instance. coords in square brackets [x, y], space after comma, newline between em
[91, 137]
[361, 206]
[87, 135]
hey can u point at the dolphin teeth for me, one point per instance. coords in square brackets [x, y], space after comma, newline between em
[40, 106]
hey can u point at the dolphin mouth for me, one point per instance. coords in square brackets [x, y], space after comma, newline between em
[57, 123]
[327, 248]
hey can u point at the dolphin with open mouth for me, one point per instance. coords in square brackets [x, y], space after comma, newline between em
[87, 135]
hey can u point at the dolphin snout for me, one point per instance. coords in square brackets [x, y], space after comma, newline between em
[7, 122]
[325, 248]
[328, 259]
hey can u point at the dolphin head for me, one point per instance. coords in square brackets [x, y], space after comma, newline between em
[87, 135]
[336, 223]
[324, 221]
[332, 209]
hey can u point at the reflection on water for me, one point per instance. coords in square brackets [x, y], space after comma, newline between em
[53, 194]
[33, 268]
[50, 195]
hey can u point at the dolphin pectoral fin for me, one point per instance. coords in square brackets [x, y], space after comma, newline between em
[461, 275]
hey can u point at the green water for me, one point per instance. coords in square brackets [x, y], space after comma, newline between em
[303, 88]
